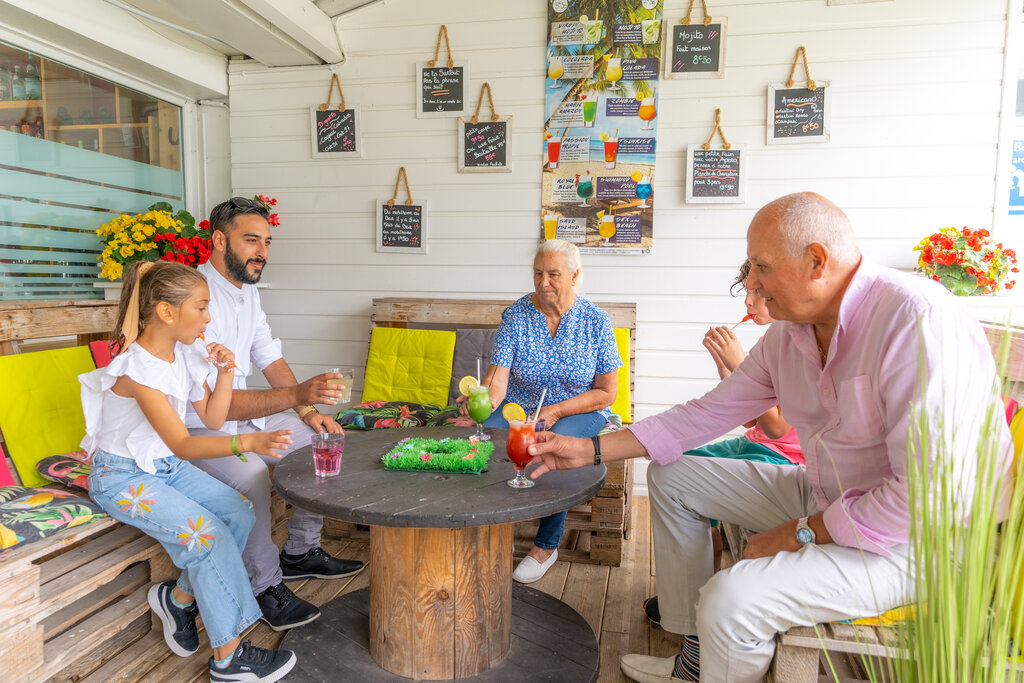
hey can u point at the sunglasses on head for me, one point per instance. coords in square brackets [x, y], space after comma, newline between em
[243, 203]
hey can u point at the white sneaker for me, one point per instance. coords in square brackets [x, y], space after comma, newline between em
[530, 570]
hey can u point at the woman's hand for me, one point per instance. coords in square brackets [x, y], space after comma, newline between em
[265, 443]
[221, 356]
[725, 348]
[461, 403]
[551, 414]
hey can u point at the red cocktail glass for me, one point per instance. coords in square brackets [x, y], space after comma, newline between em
[520, 436]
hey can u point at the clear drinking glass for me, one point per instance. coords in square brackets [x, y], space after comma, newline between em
[520, 435]
[348, 375]
[479, 407]
[327, 451]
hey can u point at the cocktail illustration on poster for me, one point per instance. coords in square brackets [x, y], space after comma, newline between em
[601, 122]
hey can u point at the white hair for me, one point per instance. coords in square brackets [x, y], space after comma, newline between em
[805, 218]
[572, 257]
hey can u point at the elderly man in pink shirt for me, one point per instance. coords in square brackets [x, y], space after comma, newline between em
[857, 351]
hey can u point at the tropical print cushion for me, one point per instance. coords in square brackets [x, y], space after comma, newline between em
[71, 469]
[28, 514]
[387, 414]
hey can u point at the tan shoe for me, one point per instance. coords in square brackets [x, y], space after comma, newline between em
[645, 669]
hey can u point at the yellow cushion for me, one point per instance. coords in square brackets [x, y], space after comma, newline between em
[621, 407]
[41, 406]
[409, 365]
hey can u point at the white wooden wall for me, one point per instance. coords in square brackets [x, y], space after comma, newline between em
[916, 96]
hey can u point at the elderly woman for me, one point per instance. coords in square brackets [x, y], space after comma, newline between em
[556, 339]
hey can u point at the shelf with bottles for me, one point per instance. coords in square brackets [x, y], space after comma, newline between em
[21, 104]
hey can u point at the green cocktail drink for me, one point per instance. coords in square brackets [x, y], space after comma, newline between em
[479, 406]
[589, 112]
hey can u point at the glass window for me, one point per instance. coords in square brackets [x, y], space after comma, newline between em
[75, 151]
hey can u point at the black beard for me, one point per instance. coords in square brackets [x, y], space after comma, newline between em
[236, 267]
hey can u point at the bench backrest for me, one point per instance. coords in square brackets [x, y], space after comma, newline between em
[453, 314]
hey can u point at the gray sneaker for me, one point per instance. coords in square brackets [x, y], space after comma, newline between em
[252, 663]
[179, 622]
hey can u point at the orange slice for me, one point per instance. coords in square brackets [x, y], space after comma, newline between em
[467, 383]
[513, 411]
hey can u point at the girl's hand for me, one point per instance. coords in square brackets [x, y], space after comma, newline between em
[461, 402]
[266, 443]
[724, 347]
[221, 356]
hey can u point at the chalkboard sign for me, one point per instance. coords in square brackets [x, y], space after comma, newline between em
[484, 145]
[402, 227]
[715, 176]
[441, 90]
[696, 50]
[335, 133]
[799, 115]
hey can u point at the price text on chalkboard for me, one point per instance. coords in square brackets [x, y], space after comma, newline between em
[485, 144]
[335, 131]
[798, 113]
[401, 226]
[442, 89]
[716, 173]
[696, 48]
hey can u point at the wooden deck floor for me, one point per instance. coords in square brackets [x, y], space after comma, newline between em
[609, 598]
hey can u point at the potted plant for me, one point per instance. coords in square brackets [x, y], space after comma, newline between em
[966, 261]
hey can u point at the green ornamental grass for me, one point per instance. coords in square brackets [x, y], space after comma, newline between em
[444, 455]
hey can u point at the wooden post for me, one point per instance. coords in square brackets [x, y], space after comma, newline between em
[440, 600]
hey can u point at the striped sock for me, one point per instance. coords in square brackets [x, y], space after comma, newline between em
[688, 663]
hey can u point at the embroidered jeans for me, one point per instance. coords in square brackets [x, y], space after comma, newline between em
[200, 522]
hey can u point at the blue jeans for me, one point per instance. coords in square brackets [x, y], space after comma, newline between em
[549, 533]
[200, 522]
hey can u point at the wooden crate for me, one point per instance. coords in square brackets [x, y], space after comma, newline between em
[76, 599]
[603, 522]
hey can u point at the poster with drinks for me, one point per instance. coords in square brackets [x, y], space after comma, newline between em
[601, 123]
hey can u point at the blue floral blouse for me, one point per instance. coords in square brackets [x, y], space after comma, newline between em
[583, 347]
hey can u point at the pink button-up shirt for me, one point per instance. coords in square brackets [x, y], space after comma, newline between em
[896, 334]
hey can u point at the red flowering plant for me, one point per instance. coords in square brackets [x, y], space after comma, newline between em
[967, 261]
[270, 203]
[156, 234]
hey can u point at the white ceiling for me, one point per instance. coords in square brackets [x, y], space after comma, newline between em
[274, 32]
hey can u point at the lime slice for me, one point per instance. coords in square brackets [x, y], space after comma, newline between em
[583, 18]
[605, 137]
[467, 383]
[513, 411]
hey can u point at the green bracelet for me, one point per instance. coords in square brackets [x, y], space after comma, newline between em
[235, 449]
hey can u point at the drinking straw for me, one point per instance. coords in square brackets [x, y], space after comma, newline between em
[543, 393]
[745, 319]
[478, 371]
[616, 136]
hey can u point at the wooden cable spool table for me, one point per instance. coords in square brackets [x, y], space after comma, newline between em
[441, 604]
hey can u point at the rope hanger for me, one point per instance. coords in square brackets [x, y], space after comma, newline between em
[408, 192]
[801, 52]
[330, 93]
[476, 116]
[686, 20]
[437, 50]
[717, 129]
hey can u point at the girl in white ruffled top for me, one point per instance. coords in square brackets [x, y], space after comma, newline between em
[134, 411]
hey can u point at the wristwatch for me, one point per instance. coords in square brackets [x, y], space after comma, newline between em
[804, 533]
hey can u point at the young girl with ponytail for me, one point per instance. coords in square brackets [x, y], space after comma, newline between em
[134, 410]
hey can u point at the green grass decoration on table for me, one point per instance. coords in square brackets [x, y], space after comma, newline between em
[444, 455]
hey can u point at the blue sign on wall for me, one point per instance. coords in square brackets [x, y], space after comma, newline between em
[1017, 179]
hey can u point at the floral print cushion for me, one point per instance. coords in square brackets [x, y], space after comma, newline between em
[387, 414]
[71, 469]
[28, 514]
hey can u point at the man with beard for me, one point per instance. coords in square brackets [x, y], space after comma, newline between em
[241, 242]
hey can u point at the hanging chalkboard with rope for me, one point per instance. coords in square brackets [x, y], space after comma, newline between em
[484, 144]
[696, 50]
[799, 114]
[402, 228]
[335, 131]
[441, 88]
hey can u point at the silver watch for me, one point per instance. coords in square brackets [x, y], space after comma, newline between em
[804, 533]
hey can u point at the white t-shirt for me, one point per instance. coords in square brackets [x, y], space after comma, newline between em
[115, 424]
[237, 322]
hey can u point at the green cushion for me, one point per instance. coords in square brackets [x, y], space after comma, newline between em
[409, 365]
[41, 406]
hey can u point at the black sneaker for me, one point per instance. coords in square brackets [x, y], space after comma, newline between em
[179, 622]
[252, 663]
[317, 564]
[283, 609]
[652, 611]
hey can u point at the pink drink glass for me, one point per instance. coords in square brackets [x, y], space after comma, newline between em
[327, 451]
